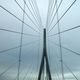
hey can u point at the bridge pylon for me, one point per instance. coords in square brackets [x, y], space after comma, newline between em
[44, 61]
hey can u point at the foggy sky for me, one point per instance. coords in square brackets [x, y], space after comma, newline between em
[32, 53]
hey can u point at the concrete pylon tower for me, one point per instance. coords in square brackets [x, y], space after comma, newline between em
[44, 61]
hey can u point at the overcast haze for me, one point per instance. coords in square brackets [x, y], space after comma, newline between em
[32, 40]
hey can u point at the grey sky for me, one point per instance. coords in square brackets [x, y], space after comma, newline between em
[31, 53]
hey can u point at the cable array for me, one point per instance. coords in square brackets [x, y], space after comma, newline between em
[52, 13]
[38, 24]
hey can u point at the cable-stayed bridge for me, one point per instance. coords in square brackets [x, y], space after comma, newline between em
[29, 51]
